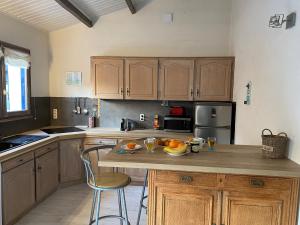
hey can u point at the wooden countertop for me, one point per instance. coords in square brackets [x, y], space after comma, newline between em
[231, 159]
[86, 133]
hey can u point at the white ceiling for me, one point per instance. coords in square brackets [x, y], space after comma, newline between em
[49, 15]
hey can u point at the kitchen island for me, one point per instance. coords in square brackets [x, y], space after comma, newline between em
[234, 185]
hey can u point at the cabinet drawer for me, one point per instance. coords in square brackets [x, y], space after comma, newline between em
[100, 141]
[255, 182]
[46, 148]
[12, 163]
[187, 178]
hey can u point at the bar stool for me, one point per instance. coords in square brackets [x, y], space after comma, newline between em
[101, 182]
[143, 197]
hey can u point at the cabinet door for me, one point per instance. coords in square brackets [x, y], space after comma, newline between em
[71, 166]
[254, 209]
[176, 78]
[213, 80]
[107, 78]
[141, 79]
[18, 191]
[185, 205]
[46, 174]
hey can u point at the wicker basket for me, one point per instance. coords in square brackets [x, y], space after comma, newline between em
[274, 146]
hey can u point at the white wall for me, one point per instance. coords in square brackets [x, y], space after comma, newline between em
[200, 28]
[20, 34]
[270, 58]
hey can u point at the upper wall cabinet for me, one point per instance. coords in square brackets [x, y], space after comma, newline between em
[141, 79]
[176, 79]
[107, 78]
[213, 80]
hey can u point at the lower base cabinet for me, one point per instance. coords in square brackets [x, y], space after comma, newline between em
[186, 206]
[179, 198]
[46, 174]
[71, 165]
[18, 191]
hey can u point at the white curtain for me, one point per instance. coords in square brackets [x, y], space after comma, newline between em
[1, 53]
[16, 58]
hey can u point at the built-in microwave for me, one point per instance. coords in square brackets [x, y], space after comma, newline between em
[178, 124]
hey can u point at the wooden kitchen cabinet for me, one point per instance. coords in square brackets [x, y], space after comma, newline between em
[183, 205]
[176, 78]
[213, 81]
[184, 198]
[71, 165]
[46, 174]
[18, 188]
[252, 209]
[108, 77]
[141, 77]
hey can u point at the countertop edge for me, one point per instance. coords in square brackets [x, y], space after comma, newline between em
[201, 169]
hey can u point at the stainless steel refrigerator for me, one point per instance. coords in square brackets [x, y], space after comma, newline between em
[215, 120]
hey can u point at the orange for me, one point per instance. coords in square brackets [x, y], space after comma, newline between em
[131, 145]
[174, 144]
[181, 145]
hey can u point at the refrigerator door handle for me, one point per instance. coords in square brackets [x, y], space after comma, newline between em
[221, 127]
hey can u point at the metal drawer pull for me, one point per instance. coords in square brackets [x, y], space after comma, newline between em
[20, 160]
[256, 182]
[186, 179]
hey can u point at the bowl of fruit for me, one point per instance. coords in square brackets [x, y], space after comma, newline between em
[176, 148]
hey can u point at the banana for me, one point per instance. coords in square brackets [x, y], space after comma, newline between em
[177, 150]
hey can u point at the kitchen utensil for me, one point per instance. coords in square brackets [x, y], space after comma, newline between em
[75, 107]
[85, 110]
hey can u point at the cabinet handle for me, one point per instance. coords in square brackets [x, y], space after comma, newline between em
[128, 92]
[20, 160]
[192, 92]
[198, 92]
[186, 179]
[39, 168]
[257, 182]
[122, 92]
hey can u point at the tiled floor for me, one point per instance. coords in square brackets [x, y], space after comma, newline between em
[72, 205]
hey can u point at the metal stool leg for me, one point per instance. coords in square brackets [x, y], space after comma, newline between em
[93, 206]
[98, 207]
[120, 206]
[142, 199]
[124, 206]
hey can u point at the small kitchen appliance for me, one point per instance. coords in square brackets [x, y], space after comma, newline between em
[178, 124]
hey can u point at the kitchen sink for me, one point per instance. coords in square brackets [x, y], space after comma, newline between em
[19, 140]
[61, 130]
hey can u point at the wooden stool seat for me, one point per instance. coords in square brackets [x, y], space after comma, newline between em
[111, 180]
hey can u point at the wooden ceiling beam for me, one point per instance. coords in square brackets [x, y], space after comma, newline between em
[131, 6]
[67, 5]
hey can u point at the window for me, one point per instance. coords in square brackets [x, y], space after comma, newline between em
[15, 85]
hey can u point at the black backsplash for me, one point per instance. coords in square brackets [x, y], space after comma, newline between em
[40, 118]
[112, 111]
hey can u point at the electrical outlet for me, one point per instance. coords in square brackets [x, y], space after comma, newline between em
[142, 117]
[55, 114]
